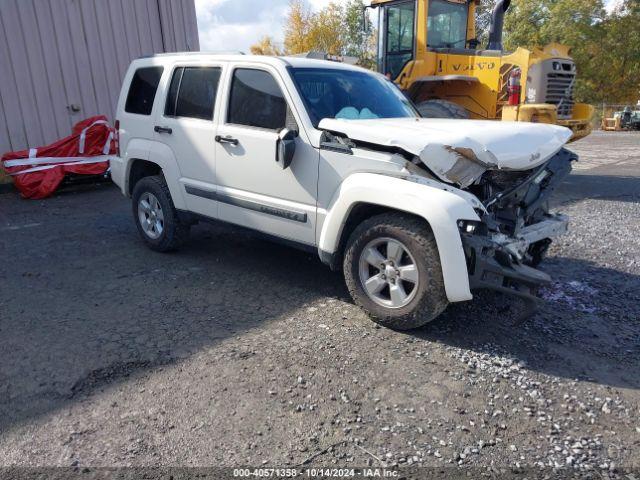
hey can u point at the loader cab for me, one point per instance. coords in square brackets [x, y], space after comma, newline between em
[410, 27]
[397, 39]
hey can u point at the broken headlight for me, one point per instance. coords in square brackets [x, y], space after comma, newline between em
[468, 226]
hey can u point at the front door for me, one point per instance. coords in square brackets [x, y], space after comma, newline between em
[253, 189]
[399, 37]
[186, 125]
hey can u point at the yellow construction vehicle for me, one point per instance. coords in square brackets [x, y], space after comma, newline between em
[430, 49]
[628, 118]
[612, 124]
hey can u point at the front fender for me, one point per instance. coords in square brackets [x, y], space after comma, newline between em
[440, 207]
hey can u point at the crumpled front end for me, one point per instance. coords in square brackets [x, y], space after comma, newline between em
[509, 169]
[515, 232]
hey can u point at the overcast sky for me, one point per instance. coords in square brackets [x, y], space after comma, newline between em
[238, 24]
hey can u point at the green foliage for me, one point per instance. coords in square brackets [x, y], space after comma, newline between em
[358, 41]
[605, 46]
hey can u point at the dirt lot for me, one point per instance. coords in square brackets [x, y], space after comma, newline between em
[236, 351]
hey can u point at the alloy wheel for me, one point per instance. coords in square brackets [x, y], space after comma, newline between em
[151, 215]
[388, 273]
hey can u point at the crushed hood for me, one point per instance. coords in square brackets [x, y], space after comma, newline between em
[460, 151]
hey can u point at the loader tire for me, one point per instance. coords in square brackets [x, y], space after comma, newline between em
[442, 109]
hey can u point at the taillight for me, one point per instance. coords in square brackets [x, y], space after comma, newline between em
[514, 88]
[117, 139]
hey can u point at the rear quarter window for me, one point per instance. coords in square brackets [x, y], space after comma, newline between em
[143, 89]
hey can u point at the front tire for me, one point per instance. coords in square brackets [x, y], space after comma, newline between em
[156, 216]
[392, 270]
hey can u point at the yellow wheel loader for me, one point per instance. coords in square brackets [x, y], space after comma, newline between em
[430, 49]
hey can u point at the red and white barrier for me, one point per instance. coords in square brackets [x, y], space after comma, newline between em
[38, 172]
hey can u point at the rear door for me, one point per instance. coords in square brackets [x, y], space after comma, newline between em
[253, 190]
[136, 105]
[186, 124]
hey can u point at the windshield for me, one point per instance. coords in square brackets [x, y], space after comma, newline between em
[350, 95]
[447, 24]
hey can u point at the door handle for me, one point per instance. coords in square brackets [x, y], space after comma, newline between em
[228, 140]
[166, 130]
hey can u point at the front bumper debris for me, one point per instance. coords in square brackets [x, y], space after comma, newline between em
[554, 226]
[492, 266]
[516, 230]
[499, 262]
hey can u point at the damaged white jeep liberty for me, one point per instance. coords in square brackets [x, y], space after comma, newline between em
[332, 158]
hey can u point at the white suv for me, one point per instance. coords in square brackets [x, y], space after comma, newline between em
[333, 158]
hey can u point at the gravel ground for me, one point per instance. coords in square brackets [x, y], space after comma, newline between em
[236, 351]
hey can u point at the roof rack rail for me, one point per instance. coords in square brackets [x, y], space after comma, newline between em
[315, 55]
[224, 52]
[212, 52]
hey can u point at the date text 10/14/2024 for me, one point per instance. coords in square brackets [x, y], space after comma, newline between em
[315, 473]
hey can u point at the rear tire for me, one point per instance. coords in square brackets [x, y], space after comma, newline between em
[374, 281]
[156, 216]
[442, 109]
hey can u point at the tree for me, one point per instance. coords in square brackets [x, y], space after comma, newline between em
[326, 32]
[265, 46]
[358, 42]
[297, 28]
[336, 29]
[605, 46]
[614, 67]
[483, 20]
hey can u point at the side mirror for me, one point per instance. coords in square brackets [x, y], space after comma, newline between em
[286, 148]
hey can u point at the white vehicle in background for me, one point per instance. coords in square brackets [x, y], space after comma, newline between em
[333, 158]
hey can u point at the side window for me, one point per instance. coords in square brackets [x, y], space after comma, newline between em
[142, 91]
[256, 100]
[192, 92]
